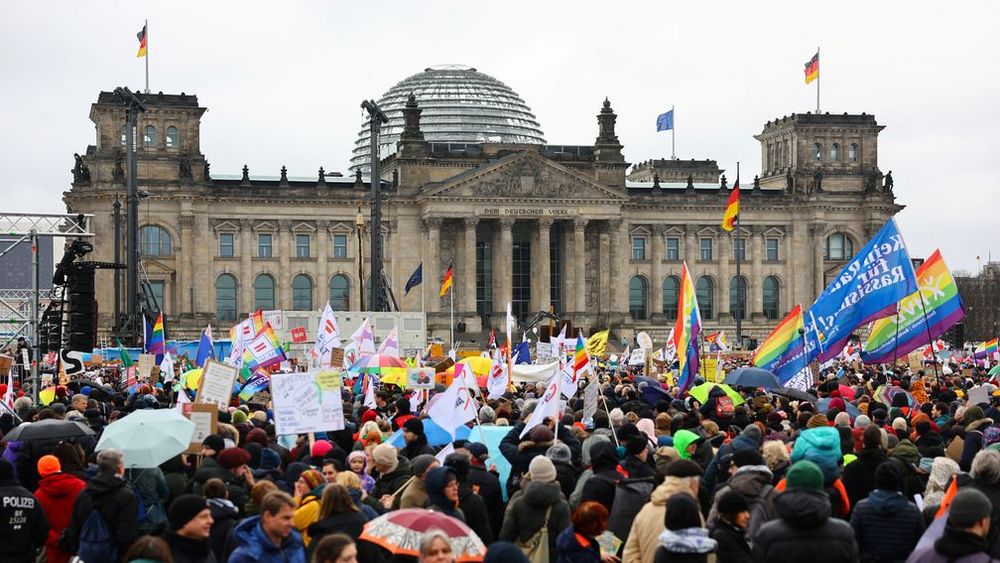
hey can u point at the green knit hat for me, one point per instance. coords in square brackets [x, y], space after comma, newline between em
[805, 474]
[972, 414]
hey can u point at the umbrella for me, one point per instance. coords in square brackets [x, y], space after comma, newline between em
[795, 394]
[847, 392]
[436, 436]
[48, 429]
[886, 393]
[148, 437]
[700, 392]
[753, 377]
[389, 369]
[651, 390]
[400, 532]
[479, 365]
[995, 370]
[823, 405]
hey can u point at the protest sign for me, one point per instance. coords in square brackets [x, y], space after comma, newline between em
[420, 378]
[337, 357]
[146, 362]
[6, 362]
[205, 419]
[217, 382]
[274, 318]
[307, 402]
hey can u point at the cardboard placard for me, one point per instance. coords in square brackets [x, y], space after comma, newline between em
[275, 318]
[216, 387]
[6, 362]
[420, 378]
[146, 362]
[638, 357]
[307, 402]
[299, 335]
[205, 419]
[711, 370]
[337, 357]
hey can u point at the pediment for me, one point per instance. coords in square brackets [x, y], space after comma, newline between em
[156, 268]
[265, 226]
[774, 232]
[304, 227]
[707, 232]
[227, 226]
[524, 176]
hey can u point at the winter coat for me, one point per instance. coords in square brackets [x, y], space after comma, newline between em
[224, 518]
[576, 548]
[526, 514]
[643, 536]
[239, 493]
[754, 483]
[186, 550]
[23, 525]
[57, 493]
[688, 545]
[886, 526]
[415, 495]
[911, 483]
[733, 544]
[474, 510]
[566, 475]
[350, 523]
[520, 453]
[389, 483]
[601, 486]
[253, 546]
[859, 475]
[804, 531]
[152, 488]
[308, 512]
[113, 497]
[992, 492]
[954, 546]
[822, 447]
[487, 486]
[720, 463]
[973, 441]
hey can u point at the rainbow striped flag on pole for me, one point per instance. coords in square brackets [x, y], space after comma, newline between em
[783, 351]
[686, 331]
[987, 349]
[157, 343]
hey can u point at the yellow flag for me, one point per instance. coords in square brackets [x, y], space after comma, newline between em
[597, 344]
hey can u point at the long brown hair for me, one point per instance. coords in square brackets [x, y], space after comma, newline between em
[336, 500]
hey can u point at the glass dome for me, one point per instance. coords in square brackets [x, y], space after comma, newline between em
[460, 105]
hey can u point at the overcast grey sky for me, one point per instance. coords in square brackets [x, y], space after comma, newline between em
[283, 82]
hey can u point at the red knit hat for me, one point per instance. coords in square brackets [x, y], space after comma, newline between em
[370, 414]
[231, 458]
[320, 448]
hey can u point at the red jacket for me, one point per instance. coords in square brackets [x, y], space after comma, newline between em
[57, 493]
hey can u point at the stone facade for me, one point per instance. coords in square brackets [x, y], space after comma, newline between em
[537, 224]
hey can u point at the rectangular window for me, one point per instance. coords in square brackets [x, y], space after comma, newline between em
[772, 249]
[264, 245]
[340, 246]
[226, 245]
[706, 249]
[740, 249]
[157, 289]
[638, 248]
[302, 246]
[673, 249]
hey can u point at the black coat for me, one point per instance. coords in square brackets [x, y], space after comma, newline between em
[114, 498]
[733, 544]
[23, 525]
[992, 492]
[804, 532]
[186, 550]
[603, 485]
[526, 514]
[474, 509]
[886, 526]
[859, 475]
[488, 485]
[567, 476]
[224, 517]
[239, 493]
[520, 452]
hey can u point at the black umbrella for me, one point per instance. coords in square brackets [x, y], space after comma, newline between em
[48, 429]
[753, 377]
[795, 394]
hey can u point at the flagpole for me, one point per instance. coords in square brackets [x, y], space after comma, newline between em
[146, 25]
[895, 342]
[930, 340]
[673, 133]
[451, 328]
[817, 81]
[740, 288]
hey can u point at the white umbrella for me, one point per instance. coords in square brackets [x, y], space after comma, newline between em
[148, 437]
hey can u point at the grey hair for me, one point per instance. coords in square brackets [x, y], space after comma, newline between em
[487, 414]
[108, 461]
[528, 408]
[428, 538]
[986, 466]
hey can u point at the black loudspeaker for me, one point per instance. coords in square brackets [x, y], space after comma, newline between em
[50, 328]
[81, 309]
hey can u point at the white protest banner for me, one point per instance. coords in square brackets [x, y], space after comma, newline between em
[146, 363]
[638, 357]
[217, 380]
[307, 402]
[590, 396]
[275, 318]
[543, 350]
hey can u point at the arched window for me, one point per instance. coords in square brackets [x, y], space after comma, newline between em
[852, 152]
[302, 293]
[771, 288]
[340, 293]
[705, 292]
[738, 297]
[637, 298]
[835, 152]
[225, 298]
[817, 152]
[839, 247]
[263, 292]
[149, 137]
[154, 241]
[671, 292]
[172, 137]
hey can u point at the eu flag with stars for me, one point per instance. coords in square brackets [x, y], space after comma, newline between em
[665, 121]
[415, 278]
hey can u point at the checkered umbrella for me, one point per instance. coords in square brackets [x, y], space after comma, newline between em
[400, 531]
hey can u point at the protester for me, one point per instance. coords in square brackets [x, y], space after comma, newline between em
[335, 548]
[338, 514]
[683, 478]
[578, 543]
[886, 525]
[729, 529]
[57, 492]
[225, 515]
[109, 502]
[23, 525]
[964, 538]
[683, 540]
[270, 537]
[435, 547]
[539, 512]
[190, 529]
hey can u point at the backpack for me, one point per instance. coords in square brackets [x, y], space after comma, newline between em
[630, 496]
[724, 407]
[96, 543]
[536, 548]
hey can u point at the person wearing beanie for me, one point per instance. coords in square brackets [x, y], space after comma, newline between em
[751, 478]
[886, 525]
[392, 473]
[231, 466]
[538, 502]
[804, 529]
[975, 423]
[488, 484]
[683, 539]
[717, 471]
[190, 527]
[636, 461]
[415, 493]
[211, 445]
[859, 475]
[566, 473]
[965, 533]
[416, 440]
[823, 447]
[730, 528]
[683, 477]
[472, 505]
[504, 552]
[308, 492]
[520, 452]
[57, 491]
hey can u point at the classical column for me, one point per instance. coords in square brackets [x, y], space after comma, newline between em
[542, 292]
[323, 243]
[580, 265]
[816, 231]
[656, 284]
[603, 276]
[204, 293]
[247, 251]
[725, 254]
[469, 265]
[619, 257]
[503, 278]
[185, 268]
[432, 277]
[284, 290]
[756, 298]
[692, 252]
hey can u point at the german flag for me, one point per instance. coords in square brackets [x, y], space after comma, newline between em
[142, 42]
[812, 68]
[732, 208]
[447, 281]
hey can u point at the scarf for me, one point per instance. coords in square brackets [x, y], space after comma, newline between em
[688, 540]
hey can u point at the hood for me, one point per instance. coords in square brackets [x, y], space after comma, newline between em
[542, 495]
[60, 485]
[886, 502]
[222, 508]
[668, 488]
[683, 439]
[603, 456]
[105, 484]
[750, 480]
[803, 508]
[688, 540]
[907, 452]
[822, 447]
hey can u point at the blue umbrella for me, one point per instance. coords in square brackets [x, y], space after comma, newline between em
[436, 436]
[823, 405]
[651, 391]
[753, 377]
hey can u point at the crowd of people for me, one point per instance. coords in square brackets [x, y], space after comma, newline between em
[841, 473]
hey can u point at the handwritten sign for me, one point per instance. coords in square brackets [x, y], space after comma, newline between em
[146, 362]
[205, 419]
[275, 318]
[307, 402]
[217, 382]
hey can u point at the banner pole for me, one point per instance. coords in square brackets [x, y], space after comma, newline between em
[930, 339]
[818, 78]
[895, 342]
[146, 25]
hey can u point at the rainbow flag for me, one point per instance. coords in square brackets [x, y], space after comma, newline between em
[264, 350]
[686, 331]
[157, 343]
[943, 308]
[783, 351]
[987, 349]
[258, 382]
[581, 360]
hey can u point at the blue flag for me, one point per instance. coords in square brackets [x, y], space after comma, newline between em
[866, 289]
[415, 278]
[665, 121]
[521, 354]
[206, 348]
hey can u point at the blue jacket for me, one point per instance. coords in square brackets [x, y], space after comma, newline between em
[822, 447]
[887, 526]
[253, 545]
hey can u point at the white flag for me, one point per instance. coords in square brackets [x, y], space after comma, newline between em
[416, 398]
[548, 405]
[181, 399]
[455, 406]
[167, 368]
[370, 393]
[390, 346]
[570, 379]
[496, 381]
[559, 344]
[449, 449]
[510, 323]
[327, 336]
